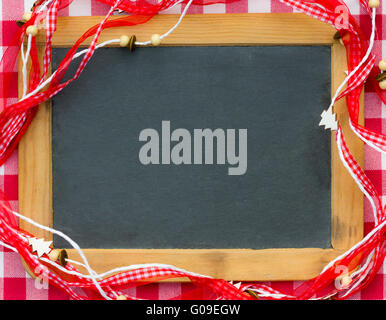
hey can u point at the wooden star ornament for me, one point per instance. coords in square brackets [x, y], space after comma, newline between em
[40, 246]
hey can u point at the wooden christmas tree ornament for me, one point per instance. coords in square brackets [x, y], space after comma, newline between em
[124, 41]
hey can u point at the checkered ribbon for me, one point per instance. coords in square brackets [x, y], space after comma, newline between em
[330, 16]
[91, 49]
[18, 239]
[365, 4]
[373, 139]
[15, 117]
[369, 251]
[355, 49]
[360, 77]
[18, 118]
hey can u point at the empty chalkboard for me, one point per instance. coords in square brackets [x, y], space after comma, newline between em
[280, 195]
[277, 206]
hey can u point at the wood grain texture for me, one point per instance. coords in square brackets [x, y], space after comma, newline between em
[346, 198]
[230, 264]
[35, 171]
[208, 29]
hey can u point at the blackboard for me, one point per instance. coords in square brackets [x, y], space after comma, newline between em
[103, 197]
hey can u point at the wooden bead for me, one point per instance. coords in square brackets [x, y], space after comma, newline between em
[345, 281]
[124, 41]
[27, 15]
[373, 3]
[121, 297]
[54, 255]
[155, 39]
[133, 38]
[63, 257]
[32, 30]
[382, 65]
[382, 84]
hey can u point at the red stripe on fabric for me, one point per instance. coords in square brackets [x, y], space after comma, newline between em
[193, 9]
[374, 124]
[236, 7]
[189, 291]
[8, 30]
[277, 6]
[284, 286]
[65, 12]
[2, 287]
[375, 290]
[98, 8]
[365, 24]
[373, 158]
[56, 294]
[149, 291]
[13, 88]
[367, 227]
[11, 186]
[15, 288]
[382, 172]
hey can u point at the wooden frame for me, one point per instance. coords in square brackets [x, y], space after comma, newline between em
[35, 172]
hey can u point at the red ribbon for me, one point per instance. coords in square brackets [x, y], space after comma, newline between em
[142, 11]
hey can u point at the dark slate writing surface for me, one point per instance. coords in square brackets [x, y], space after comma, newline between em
[104, 197]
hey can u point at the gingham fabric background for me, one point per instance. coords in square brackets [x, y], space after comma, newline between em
[16, 284]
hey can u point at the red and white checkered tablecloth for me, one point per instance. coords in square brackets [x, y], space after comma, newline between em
[16, 284]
